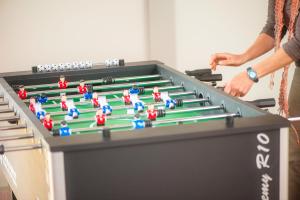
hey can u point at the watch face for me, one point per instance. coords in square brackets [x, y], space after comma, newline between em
[252, 75]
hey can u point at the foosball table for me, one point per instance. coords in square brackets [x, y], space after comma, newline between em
[135, 131]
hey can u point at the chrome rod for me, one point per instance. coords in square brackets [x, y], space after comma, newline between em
[7, 149]
[6, 110]
[102, 87]
[294, 119]
[14, 127]
[11, 118]
[117, 92]
[3, 104]
[16, 137]
[166, 121]
[168, 112]
[97, 81]
[129, 106]
[175, 94]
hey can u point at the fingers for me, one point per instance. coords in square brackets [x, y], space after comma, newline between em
[218, 59]
[234, 90]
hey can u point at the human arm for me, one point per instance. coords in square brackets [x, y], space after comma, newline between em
[241, 84]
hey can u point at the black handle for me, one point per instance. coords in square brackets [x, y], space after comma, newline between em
[2, 150]
[198, 72]
[210, 77]
[264, 103]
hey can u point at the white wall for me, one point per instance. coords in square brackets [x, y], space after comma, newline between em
[162, 31]
[39, 31]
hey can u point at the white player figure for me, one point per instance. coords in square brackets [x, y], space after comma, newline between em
[40, 113]
[106, 108]
[138, 104]
[73, 112]
[169, 102]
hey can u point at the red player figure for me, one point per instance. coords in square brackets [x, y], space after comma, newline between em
[156, 94]
[62, 83]
[100, 118]
[22, 92]
[151, 113]
[95, 101]
[32, 104]
[48, 123]
[126, 97]
[82, 89]
[63, 102]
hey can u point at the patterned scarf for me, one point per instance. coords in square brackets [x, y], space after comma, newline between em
[279, 24]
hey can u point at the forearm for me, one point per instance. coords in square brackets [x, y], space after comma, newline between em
[272, 63]
[262, 45]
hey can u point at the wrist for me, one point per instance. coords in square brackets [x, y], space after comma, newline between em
[244, 57]
[252, 74]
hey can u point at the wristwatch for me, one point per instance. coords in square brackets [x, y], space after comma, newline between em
[252, 74]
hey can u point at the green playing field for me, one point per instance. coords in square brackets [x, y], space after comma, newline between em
[122, 116]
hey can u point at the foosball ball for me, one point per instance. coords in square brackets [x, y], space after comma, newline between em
[136, 131]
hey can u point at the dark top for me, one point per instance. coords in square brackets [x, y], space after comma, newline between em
[292, 47]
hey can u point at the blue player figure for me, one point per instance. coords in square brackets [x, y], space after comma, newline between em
[73, 112]
[64, 129]
[134, 90]
[138, 105]
[137, 122]
[89, 94]
[106, 108]
[42, 99]
[39, 112]
[169, 102]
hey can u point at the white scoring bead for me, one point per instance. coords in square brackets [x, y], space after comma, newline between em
[40, 68]
[61, 67]
[115, 62]
[81, 65]
[68, 66]
[47, 67]
[88, 64]
[54, 67]
[108, 62]
[75, 65]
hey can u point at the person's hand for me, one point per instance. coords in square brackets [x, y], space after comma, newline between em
[226, 59]
[239, 86]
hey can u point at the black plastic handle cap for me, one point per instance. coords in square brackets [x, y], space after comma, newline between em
[210, 77]
[2, 149]
[198, 72]
[264, 103]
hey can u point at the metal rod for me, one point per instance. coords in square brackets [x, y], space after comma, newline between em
[169, 112]
[6, 110]
[5, 149]
[117, 92]
[101, 87]
[11, 118]
[118, 99]
[3, 104]
[294, 119]
[97, 81]
[130, 106]
[14, 127]
[166, 121]
[16, 137]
